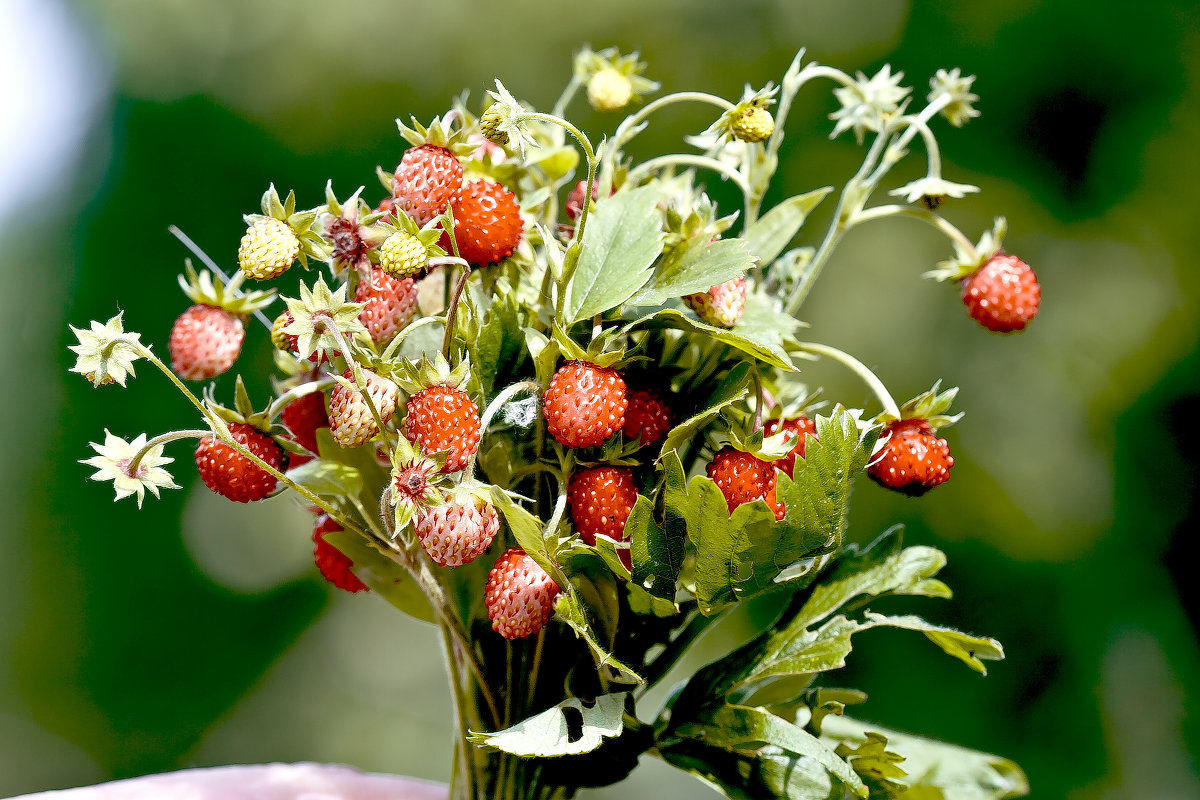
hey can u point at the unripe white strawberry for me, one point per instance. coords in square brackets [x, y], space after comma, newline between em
[350, 419]
[402, 255]
[269, 247]
[722, 305]
[457, 531]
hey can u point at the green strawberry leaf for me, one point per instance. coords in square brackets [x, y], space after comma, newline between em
[500, 347]
[572, 610]
[733, 387]
[383, 575]
[657, 551]
[621, 242]
[528, 531]
[569, 728]
[328, 478]
[760, 333]
[768, 237]
[695, 267]
[948, 771]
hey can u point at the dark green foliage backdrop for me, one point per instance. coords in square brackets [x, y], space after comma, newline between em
[194, 633]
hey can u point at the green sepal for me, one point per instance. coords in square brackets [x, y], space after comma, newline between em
[204, 288]
[930, 406]
[967, 263]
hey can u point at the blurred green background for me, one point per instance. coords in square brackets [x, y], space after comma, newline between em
[194, 632]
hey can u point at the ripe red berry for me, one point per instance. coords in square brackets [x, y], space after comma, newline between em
[913, 461]
[390, 304]
[520, 595]
[1003, 295]
[350, 418]
[205, 341]
[584, 404]
[797, 425]
[646, 415]
[457, 531]
[600, 499]
[444, 418]
[487, 222]
[231, 474]
[574, 206]
[303, 416]
[334, 565]
[742, 477]
[428, 181]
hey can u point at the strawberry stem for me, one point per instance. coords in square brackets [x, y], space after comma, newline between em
[231, 284]
[690, 160]
[936, 220]
[858, 368]
[163, 438]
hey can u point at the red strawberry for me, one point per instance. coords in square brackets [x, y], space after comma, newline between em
[428, 181]
[487, 222]
[205, 341]
[797, 425]
[646, 415]
[913, 461]
[333, 563]
[443, 418]
[1003, 295]
[584, 404]
[722, 305]
[457, 531]
[350, 419]
[574, 205]
[230, 474]
[601, 499]
[303, 417]
[742, 477]
[390, 304]
[520, 595]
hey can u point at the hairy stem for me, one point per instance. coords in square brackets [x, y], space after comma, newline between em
[858, 368]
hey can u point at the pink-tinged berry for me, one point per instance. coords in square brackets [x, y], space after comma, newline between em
[334, 565]
[600, 499]
[584, 404]
[646, 415]
[389, 305]
[457, 531]
[205, 341]
[913, 460]
[722, 305]
[444, 418]
[231, 474]
[520, 595]
[428, 180]
[350, 418]
[743, 477]
[487, 223]
[802, 427]
[303, 417]
[1003, 295]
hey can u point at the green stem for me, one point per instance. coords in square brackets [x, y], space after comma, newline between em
[568, 94]
[936, 220]
[295, 393]
[690, 160]
[858, 368]
[231, 284]
[359, 381]
[163, 438]
[394, 346]
[452, 312]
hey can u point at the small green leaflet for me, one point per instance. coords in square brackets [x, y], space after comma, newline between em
[549, 733]
[768, 236]
[694, 267]
[621, 242]
[383, 575]
[732, 388]
[573, 611]
[657, 552]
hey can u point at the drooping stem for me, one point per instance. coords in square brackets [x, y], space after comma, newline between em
[936, 220]
[230, 284]
[858, 368]
[452, 312]
[295, 393]
[163, 438]
[394, 346]
[690, 160]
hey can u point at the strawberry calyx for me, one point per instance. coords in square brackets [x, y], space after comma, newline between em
[968, 261]
[304, 224]
[203, 288]
[931, 407]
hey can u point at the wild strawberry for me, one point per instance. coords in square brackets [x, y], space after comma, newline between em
[489, 127]
[520, 595]
[205, 341]
[289, 343]
[402, 255]
[457, 531]
[231, 474]
[334, 565]
[574, 205]
[801, 426]
[646, 415]
[443, 418]
[609, 90]
[914, 460]
[428, 181]
[269, 247]
[753, 124]
[722, 305]
[350, 419]
[1003, 295]
[742, 477]
[584, 404]
[487, 222]
[303, 417]
[600, 499]
[390, 305]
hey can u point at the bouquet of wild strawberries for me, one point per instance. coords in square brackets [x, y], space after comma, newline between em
[572, 437]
